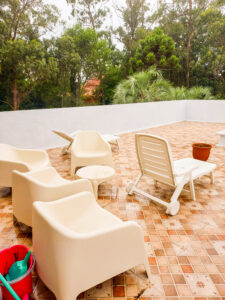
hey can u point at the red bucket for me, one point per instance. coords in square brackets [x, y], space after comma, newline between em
[23, 284]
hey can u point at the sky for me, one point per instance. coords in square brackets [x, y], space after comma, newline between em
[65, 11]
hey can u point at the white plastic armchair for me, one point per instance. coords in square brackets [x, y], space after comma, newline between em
[77, 244]
[89, 148]
[42, 185]
[23, 160]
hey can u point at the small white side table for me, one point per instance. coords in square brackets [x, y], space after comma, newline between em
[97, 175]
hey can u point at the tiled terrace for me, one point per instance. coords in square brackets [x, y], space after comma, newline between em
[186, 252]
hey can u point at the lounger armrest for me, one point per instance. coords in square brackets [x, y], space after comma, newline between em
[184, 171]
[64, 135]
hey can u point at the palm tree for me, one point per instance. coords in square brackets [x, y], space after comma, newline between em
[151, 86]
[135, 88]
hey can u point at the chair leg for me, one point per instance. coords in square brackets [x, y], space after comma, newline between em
[212, 177]
[156, 183]
[192, 190]
[177, 192]
[174, 205]
[147, 268]
[131, 185]
[95, 188]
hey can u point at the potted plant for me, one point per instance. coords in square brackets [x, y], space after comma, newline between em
[201, 151]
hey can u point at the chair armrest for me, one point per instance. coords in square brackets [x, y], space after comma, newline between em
[72, 187]
[6, 168]
[121, 230]
[64, 135]
[25, 153]
[105, 144]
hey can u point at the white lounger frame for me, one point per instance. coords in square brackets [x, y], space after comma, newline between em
[155, 161]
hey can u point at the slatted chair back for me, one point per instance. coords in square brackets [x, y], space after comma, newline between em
[154, 157]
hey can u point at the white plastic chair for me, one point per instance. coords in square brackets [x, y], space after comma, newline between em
[155, 161]
[42, 185]
[89, 148]
[23, 160]
[77, 244]
[110, 138]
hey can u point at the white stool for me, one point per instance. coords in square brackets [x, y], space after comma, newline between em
[97, 175]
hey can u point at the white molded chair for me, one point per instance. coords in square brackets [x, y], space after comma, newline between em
[42, 185]
[110, 138]
[89, 148]
[77, 244]
[23, 160]
[155, 161]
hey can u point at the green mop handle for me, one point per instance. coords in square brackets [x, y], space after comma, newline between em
[27, 257]
[6, 284]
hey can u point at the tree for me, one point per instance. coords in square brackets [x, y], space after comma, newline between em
[26, 66]
[135, 88]
[81, 55]
[28, 19]
[90, 13]
[134, 16]
[179, 20]
[156, 49]
[22, 56]
[209, 51]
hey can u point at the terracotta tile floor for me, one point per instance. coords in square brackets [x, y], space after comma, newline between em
[186, 252]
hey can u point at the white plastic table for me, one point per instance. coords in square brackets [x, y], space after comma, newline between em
[97, 175]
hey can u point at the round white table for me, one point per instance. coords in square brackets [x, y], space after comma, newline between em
[96, 174]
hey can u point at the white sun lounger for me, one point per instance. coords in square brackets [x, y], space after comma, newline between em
[155, 161]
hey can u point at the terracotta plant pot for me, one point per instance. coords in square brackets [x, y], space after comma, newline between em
[201, 151]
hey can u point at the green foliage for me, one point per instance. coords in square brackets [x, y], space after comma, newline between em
[26, 19]
[151, 86]
[135, 88]
[134, 22]
[106, 90]
[23, 60]
[156, 49]
[27, 66]
[198, 33]
[183, 43]
[81, 55]
[209, 68]
[199, 92]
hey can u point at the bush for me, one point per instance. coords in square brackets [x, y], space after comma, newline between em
[151, 86]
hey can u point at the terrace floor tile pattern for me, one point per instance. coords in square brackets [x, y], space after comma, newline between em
[186, 252]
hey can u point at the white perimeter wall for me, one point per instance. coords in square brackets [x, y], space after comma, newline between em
[32, 128]
[206, 111]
